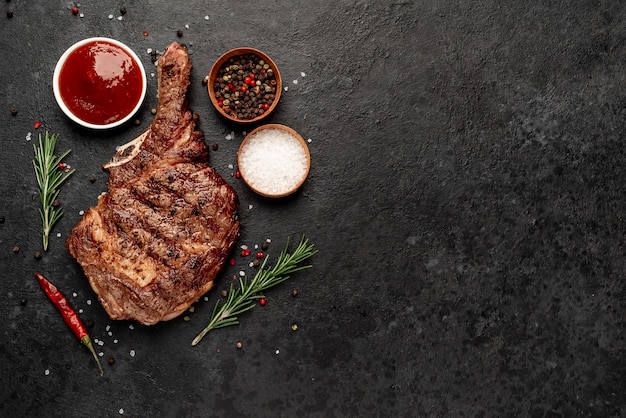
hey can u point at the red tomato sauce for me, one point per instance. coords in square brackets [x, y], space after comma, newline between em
[100, 83]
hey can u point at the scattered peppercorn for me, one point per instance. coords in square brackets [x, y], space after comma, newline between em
[9, 13]
[16, 249]
[153, 111]
[74, 10]
[123, 10]
[245, 252]
[265, 245]
[37, 124]
[215, 146]
[179, 33]
[92, 179]
[262, 301]
[56, 203]
[260, 255]
[239, 344]
[38, 255]
[111, 361]
[23, 301]
[205, 80]
[224, 293]
[256, 263]
[89, 323]
[14, 111]
[294, 292]
[2, 219]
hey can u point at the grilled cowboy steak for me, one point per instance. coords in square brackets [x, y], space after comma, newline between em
[158, 237]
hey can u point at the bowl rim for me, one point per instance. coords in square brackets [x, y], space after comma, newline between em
[63, 59]
[296, 135]
[218, 64]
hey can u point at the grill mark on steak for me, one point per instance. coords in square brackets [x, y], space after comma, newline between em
[156, 240]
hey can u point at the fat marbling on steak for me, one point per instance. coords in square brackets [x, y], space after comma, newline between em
[160, 234]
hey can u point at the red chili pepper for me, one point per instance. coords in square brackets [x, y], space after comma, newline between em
[69, 315]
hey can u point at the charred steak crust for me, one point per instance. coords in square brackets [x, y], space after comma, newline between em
[161, 233]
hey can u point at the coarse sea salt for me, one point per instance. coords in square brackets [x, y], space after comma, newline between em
[273, 161]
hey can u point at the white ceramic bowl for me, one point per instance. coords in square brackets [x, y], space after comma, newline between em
[130, 108]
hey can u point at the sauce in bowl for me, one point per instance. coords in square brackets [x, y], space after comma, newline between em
[100, 82]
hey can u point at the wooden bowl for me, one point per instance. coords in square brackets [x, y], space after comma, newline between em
[274, 160]
[213, 74]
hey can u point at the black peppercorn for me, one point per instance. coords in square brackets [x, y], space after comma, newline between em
[16, 249]
[123, 10]
[9, 13]
[111, 361]
[38, 255]
[23, 301]
[14, 111]
[179, 33]
[215, 146]
[265, 245]
[294, 292]
[2, 219]
[89, 323]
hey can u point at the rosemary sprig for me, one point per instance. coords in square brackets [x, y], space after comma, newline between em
[49, 178]
[241, 299]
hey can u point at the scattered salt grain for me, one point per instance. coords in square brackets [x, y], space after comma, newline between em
[243, 247]
[74, 294]
[242, 273]
[132, 353]
[101, 354]
[302, 74]
[250, 206]
[206, 298]
[273, 161]
[286, 88]
[295, 81]
[230, 166]
[206, 17]
[88, 301]
[110, 333]
[81, 213]
[58, 235]
[277, 352]
[119, 18]
[121, 411]
[82, 15]
[131, 326]
[108, 328]
[80, 311]
[149, 50]
[115, 341]
[46, 372]
[187, 26]
[110, 17]
[29, 136]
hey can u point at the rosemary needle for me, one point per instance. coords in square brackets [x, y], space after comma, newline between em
[49, 179]
[241, 299]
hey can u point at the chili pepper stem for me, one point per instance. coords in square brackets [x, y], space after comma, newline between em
[86, 340]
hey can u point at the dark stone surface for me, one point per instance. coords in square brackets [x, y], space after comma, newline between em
[466, 197]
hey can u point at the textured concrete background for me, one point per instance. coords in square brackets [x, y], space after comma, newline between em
[466, 197]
